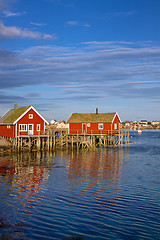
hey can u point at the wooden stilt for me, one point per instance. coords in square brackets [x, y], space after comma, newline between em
[38, 144]
[84, 140]
[72, 142]
[51, 143]
[29, 144]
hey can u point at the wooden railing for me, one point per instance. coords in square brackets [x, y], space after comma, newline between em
[95, 132]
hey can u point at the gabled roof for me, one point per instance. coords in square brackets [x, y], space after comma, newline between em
[6, 115]
[92, 118]
[13, 116]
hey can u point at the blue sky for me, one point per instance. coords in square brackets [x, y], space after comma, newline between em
[65, 56]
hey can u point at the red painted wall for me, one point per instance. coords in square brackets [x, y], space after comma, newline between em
[10, 132]
[35, 120]
[116, 121]
[79, 128]
[7, 132]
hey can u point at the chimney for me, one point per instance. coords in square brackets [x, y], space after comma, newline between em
[96, 110]
[15, 107]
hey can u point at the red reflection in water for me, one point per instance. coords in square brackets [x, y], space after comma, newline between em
[105, 164]
[25, 174]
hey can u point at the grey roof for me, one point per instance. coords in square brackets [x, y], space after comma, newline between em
[6, 115]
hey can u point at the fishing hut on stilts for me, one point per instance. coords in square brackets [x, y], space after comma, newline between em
[27, 130]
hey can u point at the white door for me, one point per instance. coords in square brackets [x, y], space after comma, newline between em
[30, 129]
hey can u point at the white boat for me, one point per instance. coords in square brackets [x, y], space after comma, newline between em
[139, 131]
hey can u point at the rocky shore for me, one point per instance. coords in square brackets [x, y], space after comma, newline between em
[5, 145]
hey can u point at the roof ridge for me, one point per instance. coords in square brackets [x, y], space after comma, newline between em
[91, 117]
[16, 114]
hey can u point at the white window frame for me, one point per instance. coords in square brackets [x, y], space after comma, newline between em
[88, 124]
[100, 126]
[115, 126]
[30, 116]
[20, 127]
[38, 127]
[8, 126]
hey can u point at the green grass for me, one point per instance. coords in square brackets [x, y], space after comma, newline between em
[91, 118]
[15, 115]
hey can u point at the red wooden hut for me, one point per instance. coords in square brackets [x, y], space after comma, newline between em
[94, 123]
[22, 121]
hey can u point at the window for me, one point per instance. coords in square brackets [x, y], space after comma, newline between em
[8, 126]
[30, 127]
[100, 126]
[115, 126]
[38, 127]
[30, 116]
[22, 127]
[88, 125]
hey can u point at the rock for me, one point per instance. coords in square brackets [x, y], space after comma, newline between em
[4, 143]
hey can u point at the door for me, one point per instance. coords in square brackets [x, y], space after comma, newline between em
[84, 127]
[30, 129]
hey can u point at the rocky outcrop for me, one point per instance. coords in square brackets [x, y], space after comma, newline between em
[4, 143]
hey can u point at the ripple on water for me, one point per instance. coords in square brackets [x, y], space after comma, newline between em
[111, 194]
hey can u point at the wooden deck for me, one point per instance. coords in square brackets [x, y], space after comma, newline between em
[55, 139]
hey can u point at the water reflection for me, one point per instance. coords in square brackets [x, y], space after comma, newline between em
[25, 174]
[48, 192]
[104, 164]
[108, 194]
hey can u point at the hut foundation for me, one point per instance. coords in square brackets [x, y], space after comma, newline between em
[61, 139]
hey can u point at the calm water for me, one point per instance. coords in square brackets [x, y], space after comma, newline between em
[108, 194]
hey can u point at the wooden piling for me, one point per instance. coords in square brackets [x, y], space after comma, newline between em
[52, 140]
[29, 144]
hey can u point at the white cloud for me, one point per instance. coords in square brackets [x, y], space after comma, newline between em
[38, 24]
[16, 32]
[86, 25]
[75, 23]
[119, 14]
[72, 23]
[108, 71]
[11, 14]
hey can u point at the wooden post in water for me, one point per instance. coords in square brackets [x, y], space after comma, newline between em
[38, 143]
[72, 143]
[43, 143]
[91, 139]
[67, 139]
[48, 142]
[21, 143]
[119, 137]
[51, 142]
[128, 137]
[77, 139]
[104, 141]
[29, 143]
[13, 144]
[54, 140]
[114, 141]
[18, 144]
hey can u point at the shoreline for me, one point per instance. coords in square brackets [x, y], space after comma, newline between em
[143, 130]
